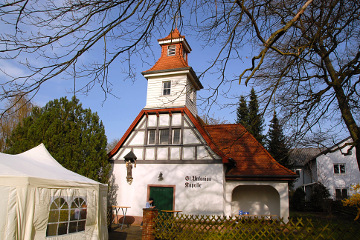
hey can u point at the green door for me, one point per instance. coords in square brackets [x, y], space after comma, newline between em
[163, 197]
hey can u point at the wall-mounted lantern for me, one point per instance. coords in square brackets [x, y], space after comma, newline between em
[130, 159]
[160, 177]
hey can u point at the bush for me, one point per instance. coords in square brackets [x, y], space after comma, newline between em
[297, 199]
[354, 200]
[319, 199]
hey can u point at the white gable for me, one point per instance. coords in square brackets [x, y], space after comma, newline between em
[183, 141]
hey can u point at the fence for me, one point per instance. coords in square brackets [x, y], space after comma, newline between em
[170, 226]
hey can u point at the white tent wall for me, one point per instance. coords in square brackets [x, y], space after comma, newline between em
[8, 212]
[25, 202]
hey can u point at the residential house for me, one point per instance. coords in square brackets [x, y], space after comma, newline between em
[336, 168]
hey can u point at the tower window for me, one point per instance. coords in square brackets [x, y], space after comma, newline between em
[192, 95]
[171, 50]
[166, 88]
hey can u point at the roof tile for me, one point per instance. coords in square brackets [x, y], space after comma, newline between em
[250, 156]
[173, 35]
[166, 62]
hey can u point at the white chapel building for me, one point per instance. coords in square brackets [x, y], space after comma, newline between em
[169, 154]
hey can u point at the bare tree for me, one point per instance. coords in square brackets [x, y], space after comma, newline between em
[18, 109]
[52, 38]
[212, 120]
[112, 144]
[306, 56]
[312, 71]
[306, 61]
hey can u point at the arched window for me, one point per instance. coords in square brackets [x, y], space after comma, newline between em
[66, 216]
[58, 217]
[77, 215]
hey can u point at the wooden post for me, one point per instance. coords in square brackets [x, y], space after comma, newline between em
[149, 214]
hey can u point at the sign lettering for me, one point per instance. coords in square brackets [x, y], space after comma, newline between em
[194, 181]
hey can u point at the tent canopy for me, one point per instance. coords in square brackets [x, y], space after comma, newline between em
[31, 183]
[37, 163]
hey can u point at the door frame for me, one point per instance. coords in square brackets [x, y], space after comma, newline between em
[159, 185]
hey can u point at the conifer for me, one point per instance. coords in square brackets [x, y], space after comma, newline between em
[276, 142]
[74, 136]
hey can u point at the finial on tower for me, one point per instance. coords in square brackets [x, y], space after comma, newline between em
[176, 18]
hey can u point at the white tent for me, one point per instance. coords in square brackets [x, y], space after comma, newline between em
[40, 199]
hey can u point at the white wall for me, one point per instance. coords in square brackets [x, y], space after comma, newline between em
[191, 98]
[325, 171]
[180, 93]
[304, 177]
[177, 95]
[300, 180]
[206, 199]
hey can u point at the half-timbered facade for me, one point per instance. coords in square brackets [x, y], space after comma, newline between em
[185, 164]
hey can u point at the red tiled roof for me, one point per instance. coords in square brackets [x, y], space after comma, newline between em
[166, 62]
[252, 159]
[229, 141]
[173, 35]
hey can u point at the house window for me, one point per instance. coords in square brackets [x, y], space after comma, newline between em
[151, 136]
[339, 168]
[192, 95]
[184, 55]
[66, 216]
[171, 50]
[176, 136]
[341, 194]
[166, 88]
[164, 136]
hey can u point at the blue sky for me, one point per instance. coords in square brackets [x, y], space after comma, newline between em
[117, 113]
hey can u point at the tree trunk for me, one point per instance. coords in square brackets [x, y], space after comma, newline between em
[343, 102]
[349, 120]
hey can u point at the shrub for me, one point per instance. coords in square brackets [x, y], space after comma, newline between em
[320, 197]
[297, 199]
[354, 200]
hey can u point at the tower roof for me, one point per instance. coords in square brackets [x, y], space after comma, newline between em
[176, 60]
[173, 35]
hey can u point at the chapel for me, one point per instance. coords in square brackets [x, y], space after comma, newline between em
[169, 154]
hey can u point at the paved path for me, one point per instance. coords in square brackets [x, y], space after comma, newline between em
[127, 233]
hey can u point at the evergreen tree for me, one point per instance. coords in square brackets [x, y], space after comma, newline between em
[242, 112]
[255, 120]
[248, 115]
[276, 142]
[74, 136]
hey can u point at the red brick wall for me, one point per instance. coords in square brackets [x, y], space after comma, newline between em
[148, 223]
